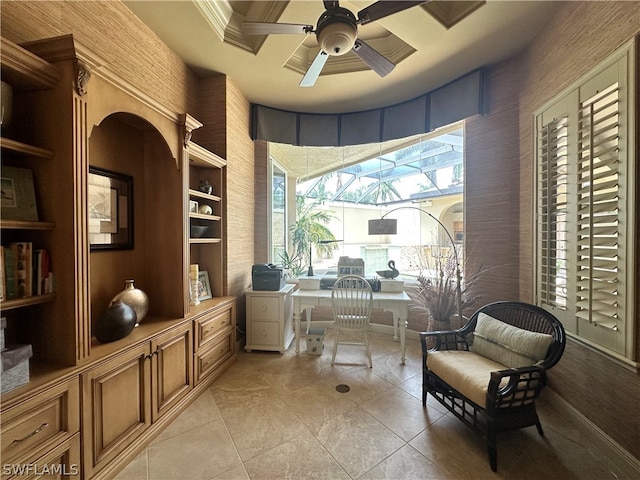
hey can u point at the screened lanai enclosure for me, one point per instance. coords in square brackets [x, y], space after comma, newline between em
[323, 197]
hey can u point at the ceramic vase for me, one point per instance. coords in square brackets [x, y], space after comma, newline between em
[205, 187]
[135, 298]
[116, 322]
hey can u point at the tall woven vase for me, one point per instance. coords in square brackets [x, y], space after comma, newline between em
[135, 298]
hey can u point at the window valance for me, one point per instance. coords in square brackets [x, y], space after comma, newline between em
[460, 99]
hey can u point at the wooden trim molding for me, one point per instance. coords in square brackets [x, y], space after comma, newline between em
[568, 410]
[66, 47]
[33, 70]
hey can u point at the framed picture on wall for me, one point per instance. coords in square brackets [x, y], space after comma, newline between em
[110, 210]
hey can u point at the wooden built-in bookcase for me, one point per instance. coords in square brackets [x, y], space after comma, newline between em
[206, 250]
[71, 113]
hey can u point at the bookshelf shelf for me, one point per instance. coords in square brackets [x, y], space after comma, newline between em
[197, 194]
[27, 301]
[201, 216]
[195, 241]
[16, 147]
[21, 225]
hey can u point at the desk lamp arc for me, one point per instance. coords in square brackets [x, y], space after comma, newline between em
[389, 226]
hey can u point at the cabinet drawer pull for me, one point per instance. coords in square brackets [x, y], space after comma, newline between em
[150, 355]
[216, 357]
[29, 435]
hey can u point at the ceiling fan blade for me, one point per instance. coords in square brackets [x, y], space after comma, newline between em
[309, 79]
[265, 28]
[330, 4]
[376, 61]
[382, 9]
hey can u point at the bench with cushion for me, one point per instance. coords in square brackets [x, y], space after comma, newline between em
[489, 372]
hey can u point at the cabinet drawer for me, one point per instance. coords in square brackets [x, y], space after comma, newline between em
[61, 462]
[265, 334]
[265, 308]
[208, 326]
[41, 422]
[208, 359]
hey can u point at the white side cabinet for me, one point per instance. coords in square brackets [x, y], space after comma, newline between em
[270, 319]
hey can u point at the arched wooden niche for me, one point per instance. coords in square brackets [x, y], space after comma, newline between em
[129, 145]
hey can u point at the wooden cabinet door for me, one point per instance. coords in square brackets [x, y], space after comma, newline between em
[116, 406]
[172, 368]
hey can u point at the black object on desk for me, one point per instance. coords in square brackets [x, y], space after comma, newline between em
[267, 277]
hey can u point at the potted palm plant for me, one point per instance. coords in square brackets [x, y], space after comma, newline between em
[309, 230]
[435, 294]
[292, 263]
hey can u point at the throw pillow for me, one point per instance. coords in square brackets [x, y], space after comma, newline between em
[511, 346]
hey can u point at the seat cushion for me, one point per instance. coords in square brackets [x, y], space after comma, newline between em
[467, 372]
[511, 346]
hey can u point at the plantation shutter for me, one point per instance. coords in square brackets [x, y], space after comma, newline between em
[552, 212]
[585, 247]
[601, 229]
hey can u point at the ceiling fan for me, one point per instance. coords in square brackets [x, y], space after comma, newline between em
[337, 34]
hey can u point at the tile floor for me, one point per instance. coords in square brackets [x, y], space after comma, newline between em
[274, 416]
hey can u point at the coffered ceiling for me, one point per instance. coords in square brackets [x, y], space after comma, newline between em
[430, 45]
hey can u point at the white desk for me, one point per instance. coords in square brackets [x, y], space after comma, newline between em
[396, 303]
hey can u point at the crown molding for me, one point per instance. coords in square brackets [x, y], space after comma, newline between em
[217, 14]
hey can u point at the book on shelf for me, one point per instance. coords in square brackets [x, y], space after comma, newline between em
[41, 272]
[22, 267]
[26, 271]
[36, 267]
[9, 274]
[50, 283]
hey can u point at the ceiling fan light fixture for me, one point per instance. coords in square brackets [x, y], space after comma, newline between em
[337, 31]
[337, 38]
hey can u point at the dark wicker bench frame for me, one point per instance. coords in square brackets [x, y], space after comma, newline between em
[508, 408]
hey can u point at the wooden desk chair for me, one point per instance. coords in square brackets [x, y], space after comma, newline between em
[351, 301]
